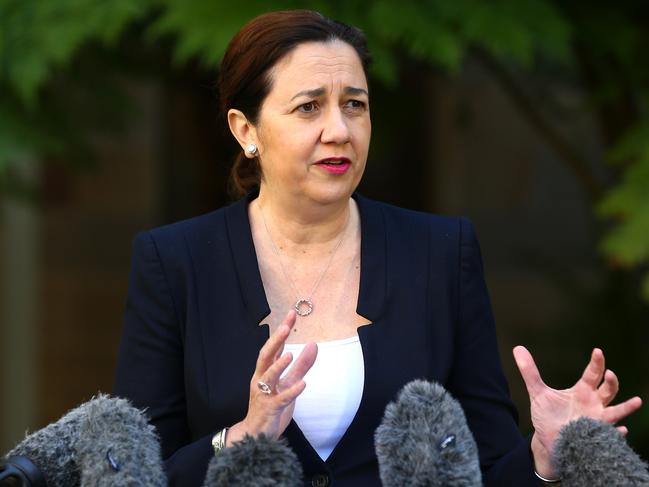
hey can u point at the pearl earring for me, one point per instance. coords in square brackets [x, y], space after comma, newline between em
[252, 149]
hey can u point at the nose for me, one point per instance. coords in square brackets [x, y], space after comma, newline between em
[335, 129]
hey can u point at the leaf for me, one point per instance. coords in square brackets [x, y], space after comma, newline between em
[203, 28]
[384, 64]
[517, 30]
[630, 195]
[21, 134]
[633, 145]
[38, 36]
[627, 241]
[645, 287]
[424, 35]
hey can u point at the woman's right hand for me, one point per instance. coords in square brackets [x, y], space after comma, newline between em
[271, 413]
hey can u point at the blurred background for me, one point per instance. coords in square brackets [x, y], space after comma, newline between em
[528, 116]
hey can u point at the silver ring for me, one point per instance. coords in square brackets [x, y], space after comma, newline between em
[265, 388]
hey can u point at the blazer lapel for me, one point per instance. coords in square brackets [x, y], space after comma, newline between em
[226, 273]
[373, 285]
[373, 294]
[372, 299]
[359, 436]
[245, 260]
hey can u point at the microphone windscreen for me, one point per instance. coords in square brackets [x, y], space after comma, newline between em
[590, 453]
[259, 461]
[117, 447]
[424, 440]
[51, 449]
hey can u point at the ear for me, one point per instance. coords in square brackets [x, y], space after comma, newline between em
[244, 131]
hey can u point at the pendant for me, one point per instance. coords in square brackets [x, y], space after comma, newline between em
[303, 307]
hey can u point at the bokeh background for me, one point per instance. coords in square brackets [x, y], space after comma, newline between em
[528, 116]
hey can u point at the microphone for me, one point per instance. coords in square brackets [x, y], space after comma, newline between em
[105, 441]
[45, 457]
[117, 447]
[591, 453]
[424, 440]
[255, 461]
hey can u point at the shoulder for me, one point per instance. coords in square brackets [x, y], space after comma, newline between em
[418, 224]
[198, 225]
[208, 229]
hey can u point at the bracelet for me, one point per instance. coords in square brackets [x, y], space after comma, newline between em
[218, 441]
[547, 481]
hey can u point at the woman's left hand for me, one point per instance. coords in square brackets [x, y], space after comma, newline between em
[551, 409]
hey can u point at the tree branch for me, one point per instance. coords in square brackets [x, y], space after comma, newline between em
[566, 152]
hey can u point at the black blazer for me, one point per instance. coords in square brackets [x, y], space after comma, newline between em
[191, 338]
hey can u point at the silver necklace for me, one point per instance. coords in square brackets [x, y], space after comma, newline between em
[303, 306]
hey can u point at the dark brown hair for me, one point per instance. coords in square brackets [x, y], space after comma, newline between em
[244, 77]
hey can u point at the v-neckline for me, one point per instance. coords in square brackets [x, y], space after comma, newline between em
[372, 287]
[372, 297]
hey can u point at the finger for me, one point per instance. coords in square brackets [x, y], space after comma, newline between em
[290, 319]
[613, 414]
[273, 345]
[622, 429]
[288, 395]
[302, 364]
[609, 388]
[272, 374]
[279, 351]
[594, 371]
[529, 371]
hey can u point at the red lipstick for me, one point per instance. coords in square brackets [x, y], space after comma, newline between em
[335, 165]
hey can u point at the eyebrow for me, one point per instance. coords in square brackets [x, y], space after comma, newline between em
[349, 90]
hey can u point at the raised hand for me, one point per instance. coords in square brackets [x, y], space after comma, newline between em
[270, 412]
[551, 409]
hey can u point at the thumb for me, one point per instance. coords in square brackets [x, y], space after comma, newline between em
[529, 371]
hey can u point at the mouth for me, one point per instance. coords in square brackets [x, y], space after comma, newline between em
[334, 161]
[335, 165]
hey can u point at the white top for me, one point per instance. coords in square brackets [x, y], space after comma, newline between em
[334, 386]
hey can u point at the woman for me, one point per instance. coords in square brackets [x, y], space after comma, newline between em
[377, 295]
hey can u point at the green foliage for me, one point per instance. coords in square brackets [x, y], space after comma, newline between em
[21, 133]
[436, 31]
[36, 36]
[613, 35]
[40, 39]
[628, 204]
[441, 32]
[20, 137]
[202, 29]
[425, 35]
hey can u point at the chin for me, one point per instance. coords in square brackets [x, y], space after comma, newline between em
[331, 190]
[332, 193]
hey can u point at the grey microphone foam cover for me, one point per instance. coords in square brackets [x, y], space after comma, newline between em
[423, 440]
[117, 447]
[51, 449]
[258, 461]
[590, 453]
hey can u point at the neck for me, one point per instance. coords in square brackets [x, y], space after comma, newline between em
[303, 223]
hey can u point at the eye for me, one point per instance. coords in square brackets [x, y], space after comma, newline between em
[355, 105]
[308, 107]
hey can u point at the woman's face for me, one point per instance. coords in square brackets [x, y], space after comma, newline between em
[314, 127]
